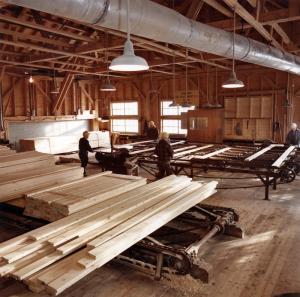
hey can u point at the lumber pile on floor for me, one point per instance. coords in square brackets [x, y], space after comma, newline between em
[18, 184]
[57, 255]
[63, 144]
[25, 162]
[6, 151]
[57, 202]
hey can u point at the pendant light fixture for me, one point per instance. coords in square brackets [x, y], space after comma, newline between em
[186, 103]
[107, 86]
[233, 82]
[55, 87]
[174, 103]
[128, 61]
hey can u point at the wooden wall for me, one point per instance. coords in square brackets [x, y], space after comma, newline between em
[24, 101]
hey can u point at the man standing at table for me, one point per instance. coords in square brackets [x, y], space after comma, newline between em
[293, 137]
[84, 149]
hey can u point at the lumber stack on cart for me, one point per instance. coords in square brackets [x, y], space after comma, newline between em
[55, 256]
[60, 201]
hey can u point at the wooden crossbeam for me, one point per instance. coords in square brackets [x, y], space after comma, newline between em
[253, 3]
[194, 9]
[88, 96]
[283, 156]
[219, 7]
[243, 13]
[65, 86]
[45, 95]
[285, 38]
[32, 25]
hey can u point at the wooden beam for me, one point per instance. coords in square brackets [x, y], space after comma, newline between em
[206, 156]
[242, 12]
[219, 7]
[253, 3]
[278, 163]
[64, 88]
[262, 151]
[194, 9]
[88, 96]
[47, 50]
[45, 95]
[32, 25]
[285, 38]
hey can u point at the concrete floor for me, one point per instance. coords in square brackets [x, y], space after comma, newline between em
[265, 263]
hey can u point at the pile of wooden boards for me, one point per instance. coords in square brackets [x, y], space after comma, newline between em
[22, 173]
[60, 201]
[63, 144]
[6, 151]
[57, 255]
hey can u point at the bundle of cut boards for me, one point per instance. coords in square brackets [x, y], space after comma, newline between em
[55, 256]
[22, 173]
[60, 201]
[5, 151]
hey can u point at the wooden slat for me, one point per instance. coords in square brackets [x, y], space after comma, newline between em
[180, 154]
[262, 151]
[206, 156]
[283, 156]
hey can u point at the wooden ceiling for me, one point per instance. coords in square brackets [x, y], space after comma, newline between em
[41, 44]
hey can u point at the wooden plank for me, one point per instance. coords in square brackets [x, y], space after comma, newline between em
[20, 187]
[177, 155]
[206, 156]
[262, 151]
[121, 242]
[283, 156]
[219, 7]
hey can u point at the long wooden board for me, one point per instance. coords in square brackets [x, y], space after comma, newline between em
[262, 151]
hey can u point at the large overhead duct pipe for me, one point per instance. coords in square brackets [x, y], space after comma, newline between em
[151, 20]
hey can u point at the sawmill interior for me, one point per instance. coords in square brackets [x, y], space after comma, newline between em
[149, 148]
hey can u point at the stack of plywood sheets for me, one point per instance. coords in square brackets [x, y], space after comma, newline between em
[60, 201]
[63, 144]
[57, 255]
[17, 184]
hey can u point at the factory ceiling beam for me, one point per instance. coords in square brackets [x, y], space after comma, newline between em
[194, 9]
[243, 13]
[219, 7]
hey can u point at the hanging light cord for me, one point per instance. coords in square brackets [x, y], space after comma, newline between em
[174, 78]
[128, 22]
[233, 49]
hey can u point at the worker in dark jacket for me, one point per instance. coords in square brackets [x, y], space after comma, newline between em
[164, 153]
[152, 131]
[293, 137]
[84, 149]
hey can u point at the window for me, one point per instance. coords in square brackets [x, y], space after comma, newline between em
[124, 117]
[171, 118]
[124, 108]
[129, 126]
[173, 111]
[172, 127]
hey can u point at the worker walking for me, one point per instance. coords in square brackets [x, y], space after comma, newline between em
[152, 131]
[84, 149]
[164, 152]
[293, 137]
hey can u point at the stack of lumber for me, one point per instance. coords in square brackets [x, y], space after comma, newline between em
[5, 151]
[57, 255]
[57, 202]
[63, 144]
[24, 162]
[17, 184]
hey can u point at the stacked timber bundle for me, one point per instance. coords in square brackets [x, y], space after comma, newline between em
[57, 202]
[18, 184]
[6, 151]
[25, 162]
[55, 256]
[63, 144]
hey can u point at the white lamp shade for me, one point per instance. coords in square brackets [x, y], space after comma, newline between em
[129, 61]
[233, 82]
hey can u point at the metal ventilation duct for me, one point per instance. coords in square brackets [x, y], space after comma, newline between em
[157, 22]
